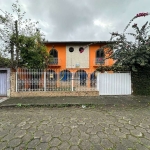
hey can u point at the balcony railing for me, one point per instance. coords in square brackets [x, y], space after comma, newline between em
[54, 61]
[99, 61]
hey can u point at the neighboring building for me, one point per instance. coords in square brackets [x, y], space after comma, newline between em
[74, 56]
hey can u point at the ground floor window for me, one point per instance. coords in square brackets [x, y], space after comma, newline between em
[65, 75]
[82, 76]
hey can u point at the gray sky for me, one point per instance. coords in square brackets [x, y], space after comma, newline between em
[81, 19]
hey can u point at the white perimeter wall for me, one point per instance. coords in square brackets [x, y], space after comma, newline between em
[114, 83]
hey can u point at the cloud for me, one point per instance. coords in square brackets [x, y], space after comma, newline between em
[81, 20]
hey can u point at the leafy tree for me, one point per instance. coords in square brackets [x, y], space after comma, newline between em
[33, 53]
[22, 39]
[132, 54]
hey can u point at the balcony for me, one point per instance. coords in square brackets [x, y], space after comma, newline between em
[55, 62]
[100, 61]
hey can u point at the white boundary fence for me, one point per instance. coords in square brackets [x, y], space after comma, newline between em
[51, 80]
[114, 83]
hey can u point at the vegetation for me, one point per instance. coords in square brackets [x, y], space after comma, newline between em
[4, 62]
[22, 40]
[133, 55]
[32, 54]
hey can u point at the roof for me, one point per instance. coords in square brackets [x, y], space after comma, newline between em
[77, 42]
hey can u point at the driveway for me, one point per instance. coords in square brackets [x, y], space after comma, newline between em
[75, 128]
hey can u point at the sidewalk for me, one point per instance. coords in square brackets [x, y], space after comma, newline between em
[98, 100]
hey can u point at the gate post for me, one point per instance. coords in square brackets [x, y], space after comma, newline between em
[72, 82]
[88, 80]
[44, 80]
[16, 80]
[98, 76]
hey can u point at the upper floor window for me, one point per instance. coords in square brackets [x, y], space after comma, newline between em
[81, 49]
[100, 53]
[54, 54]
[71, 49]
[100, 56]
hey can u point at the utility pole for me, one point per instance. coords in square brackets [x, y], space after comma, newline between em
[17, 43]
[12, 53]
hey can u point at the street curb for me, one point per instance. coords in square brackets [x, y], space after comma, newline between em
[3, 99]
[19, 105]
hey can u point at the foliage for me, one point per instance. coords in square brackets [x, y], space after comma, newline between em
[130, 55]
[22, 39]
[112, 68]
[19, 105]
[33, 53]
[141, 81]
[134, 55]
[4, 62]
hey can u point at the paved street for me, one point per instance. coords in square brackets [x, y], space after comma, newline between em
[73, 128]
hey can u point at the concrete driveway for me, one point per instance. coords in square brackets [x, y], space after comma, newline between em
[75, 128]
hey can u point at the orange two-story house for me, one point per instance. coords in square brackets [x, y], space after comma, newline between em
[77, 55]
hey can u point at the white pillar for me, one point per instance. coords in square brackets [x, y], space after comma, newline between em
[98, 79]
[44, 81]
[72, 82]
[16, 80]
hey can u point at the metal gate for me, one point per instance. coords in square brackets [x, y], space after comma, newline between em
[3, 83]
[114, 83]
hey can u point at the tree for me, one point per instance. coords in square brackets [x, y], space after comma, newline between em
[33, 53]
[16, 33]
[132, 54]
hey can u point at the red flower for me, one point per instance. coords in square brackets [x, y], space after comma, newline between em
[142, 14]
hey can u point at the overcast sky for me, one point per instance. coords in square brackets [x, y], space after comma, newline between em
[75, 20]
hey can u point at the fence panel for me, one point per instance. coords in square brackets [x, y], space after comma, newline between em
[30, 80]
[114, 83]
[85, 81]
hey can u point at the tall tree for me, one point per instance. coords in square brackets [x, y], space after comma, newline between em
[15, 32]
